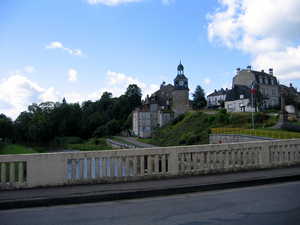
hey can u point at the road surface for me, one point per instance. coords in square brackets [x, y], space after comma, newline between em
[268, 204]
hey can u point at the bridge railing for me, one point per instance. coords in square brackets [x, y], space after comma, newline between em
[52, 169]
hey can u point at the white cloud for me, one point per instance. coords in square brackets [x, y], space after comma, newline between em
[111, 2]
[206, 81]
[17, 92]
[72, 75]
[119, 78]
[74, 97]
[269, 30]
[52, 45]
[153, 88]
[167, 2]
[30, 69]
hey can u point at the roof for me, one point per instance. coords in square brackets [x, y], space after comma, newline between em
[237, 91]
[219, 92]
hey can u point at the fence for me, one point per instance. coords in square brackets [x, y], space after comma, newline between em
[120, 144]
[52, 169]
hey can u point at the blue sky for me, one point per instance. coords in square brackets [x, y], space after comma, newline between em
[78, 49]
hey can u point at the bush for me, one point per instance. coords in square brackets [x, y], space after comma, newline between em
[192, 139]
[97, 142]
[181, 141]
[291, 127]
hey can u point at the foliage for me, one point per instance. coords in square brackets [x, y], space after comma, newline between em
[6, 127]
[45, 121]
[90, 145]
[181, 141]
[199, 95]
[113, 127]
[257, 98]
[291, 127]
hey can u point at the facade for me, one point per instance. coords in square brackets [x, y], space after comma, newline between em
[237, 99]
[216, 97]
[267, 82]
[162, 106]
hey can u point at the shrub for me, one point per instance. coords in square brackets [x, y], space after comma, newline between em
[263, 118]
[223, 111]
[97, 142]
[291, 127]
[192, 139]
[181, 141]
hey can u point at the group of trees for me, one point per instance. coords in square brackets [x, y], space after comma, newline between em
[48, 120]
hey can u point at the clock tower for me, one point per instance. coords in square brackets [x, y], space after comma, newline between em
[180, 103]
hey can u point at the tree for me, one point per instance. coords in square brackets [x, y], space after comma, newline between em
[133, 95]
[6, 127]
[113, 127]
[257, 98]
[199, 96]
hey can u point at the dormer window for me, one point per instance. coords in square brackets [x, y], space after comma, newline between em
[272, 82]
[261, 80]
[266, 81]
[242, 96]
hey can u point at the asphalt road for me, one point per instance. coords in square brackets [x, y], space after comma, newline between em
[268, 204]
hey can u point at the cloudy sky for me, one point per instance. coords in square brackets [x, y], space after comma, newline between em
[78, 49]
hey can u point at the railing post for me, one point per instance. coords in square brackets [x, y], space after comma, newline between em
[173, 162]
[264, 154]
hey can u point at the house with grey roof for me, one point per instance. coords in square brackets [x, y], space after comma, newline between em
[216, 98]
[268, 84]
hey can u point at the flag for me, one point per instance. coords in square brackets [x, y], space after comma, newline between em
[252, 88]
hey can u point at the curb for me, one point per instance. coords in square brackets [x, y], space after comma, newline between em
[123, 195]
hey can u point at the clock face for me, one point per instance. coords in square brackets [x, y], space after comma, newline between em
[181, 83]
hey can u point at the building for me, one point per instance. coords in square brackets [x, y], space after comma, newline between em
[216, 98]
[268, 84]
[238, 99]
[162, 106]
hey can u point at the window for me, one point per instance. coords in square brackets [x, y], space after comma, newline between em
[267, 92]
[273, 92]
[266, 81]
[261, 90]
[144, 115]
[241, 105]
[272, 82]
[162, 93]
[152, 123]
[229, 106]
[144, 122]
[167, 94]
[260, 80]
[273, 102]
[216, 99]
[241, 96]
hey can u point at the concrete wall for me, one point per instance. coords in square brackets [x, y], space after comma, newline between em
[235, 138]
[53, 169]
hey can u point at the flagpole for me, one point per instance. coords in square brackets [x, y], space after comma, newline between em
[252, 92]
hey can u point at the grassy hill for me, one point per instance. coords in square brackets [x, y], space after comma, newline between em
[194, 127]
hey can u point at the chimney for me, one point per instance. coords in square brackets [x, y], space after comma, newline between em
[262, 71]
[271, 71]
[238, 70]
[291, 85]
[249, 68]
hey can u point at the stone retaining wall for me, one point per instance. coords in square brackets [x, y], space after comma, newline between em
[234, 138]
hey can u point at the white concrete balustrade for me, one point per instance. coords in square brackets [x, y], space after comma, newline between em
[52, 169]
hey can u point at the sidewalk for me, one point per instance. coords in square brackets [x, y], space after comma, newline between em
[49, 196]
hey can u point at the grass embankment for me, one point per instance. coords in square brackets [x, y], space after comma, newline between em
[92, 144]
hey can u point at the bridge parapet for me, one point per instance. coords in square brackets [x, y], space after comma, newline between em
[53, 169]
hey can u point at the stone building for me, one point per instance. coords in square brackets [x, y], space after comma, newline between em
[216, 97]
[162, 106]
[268, 84]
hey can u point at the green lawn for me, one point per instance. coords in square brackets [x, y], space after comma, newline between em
[144, 140]
[16, 149]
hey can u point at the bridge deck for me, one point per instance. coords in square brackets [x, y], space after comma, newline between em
[47, 196]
